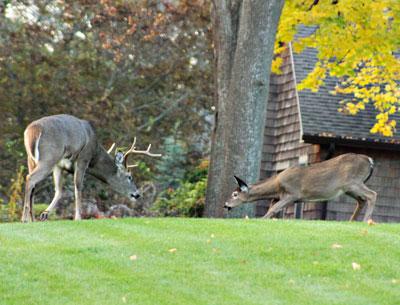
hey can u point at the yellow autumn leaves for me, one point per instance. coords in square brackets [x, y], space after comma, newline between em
[314, 79]
[383, 125]
[355, 41]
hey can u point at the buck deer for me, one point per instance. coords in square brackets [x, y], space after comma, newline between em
[64, 142]
[345, 174]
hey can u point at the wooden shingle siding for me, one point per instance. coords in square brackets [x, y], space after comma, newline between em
[282, 146]
[291, 113]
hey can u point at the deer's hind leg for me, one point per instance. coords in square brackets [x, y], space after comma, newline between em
[40, 172]
[27, 213]
[31, 165]
[58, 181]
[363, 195]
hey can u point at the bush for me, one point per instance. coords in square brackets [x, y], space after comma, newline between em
[188, 199]
[16, 195]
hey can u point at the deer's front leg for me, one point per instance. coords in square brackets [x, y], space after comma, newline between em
[271, 204]
[359, 207]
[279, 206]
[80, 168]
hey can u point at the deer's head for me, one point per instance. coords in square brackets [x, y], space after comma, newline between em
[121, 181]
[238, 196]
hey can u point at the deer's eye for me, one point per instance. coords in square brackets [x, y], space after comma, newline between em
[129, 178]
[235, 194]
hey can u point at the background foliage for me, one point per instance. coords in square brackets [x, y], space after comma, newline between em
[133, 68]
[188, 199]
[144, 68]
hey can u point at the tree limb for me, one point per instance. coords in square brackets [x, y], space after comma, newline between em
[164, 113]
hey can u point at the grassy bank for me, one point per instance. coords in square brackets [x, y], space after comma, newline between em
[199, 261]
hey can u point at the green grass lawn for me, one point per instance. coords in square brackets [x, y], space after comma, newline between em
[231, 261]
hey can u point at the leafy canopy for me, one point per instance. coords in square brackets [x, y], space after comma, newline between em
[356, 41]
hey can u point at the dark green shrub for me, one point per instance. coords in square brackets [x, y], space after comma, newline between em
[188, 199]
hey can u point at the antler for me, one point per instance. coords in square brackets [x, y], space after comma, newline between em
[111, 148]
[133, 150]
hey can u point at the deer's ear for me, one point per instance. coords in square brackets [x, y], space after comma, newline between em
[119, 158]
[242, 185]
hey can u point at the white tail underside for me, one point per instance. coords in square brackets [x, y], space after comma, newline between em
[36, 155]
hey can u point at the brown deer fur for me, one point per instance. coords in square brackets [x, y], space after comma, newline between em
[63, 142]
[345, 174]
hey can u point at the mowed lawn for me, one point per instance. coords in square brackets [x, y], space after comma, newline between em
[199, 261]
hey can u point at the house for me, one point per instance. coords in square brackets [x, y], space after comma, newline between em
[303, 127]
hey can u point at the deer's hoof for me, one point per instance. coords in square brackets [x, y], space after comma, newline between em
[44, 216]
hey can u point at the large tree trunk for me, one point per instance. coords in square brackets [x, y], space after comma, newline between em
[244, 35]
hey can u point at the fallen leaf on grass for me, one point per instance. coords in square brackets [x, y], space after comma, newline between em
[133, 257]
[336, 246]
[355, 266]
[215, 250]
[172, 250]
[212, 236]
[123, 299]
[208, 241]
[395, 281]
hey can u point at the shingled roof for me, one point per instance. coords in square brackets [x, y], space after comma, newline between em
[319, 110]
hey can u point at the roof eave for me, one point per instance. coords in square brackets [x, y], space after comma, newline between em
[352, 142]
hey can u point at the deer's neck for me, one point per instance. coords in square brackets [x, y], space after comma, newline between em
[265, 189]
[102, 165]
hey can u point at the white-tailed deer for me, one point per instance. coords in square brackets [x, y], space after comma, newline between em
[64, 142]
[345, 174]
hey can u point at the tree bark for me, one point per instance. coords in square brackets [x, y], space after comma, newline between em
[244, 35]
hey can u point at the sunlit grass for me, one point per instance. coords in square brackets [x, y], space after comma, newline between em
[199, 261]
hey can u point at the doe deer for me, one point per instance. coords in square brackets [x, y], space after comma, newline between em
[64, 142]
[345, 174]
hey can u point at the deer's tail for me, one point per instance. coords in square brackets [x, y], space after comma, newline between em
[371, 169]
[32, 139]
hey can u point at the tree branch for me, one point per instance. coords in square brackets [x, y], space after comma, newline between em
[164, 113]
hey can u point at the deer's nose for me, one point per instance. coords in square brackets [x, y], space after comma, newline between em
[135, 195]
[227, 207]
